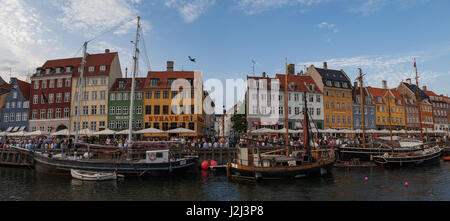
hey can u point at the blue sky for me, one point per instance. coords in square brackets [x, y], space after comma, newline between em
[380, 36]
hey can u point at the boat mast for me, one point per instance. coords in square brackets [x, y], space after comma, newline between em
[362, 108]
[305, 125]
[418, 100]
[406, 117]
[390, 120]
[80, 90]
[133, 81]
[286, 109]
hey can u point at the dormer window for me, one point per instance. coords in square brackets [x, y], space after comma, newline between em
[91, 68]
[47, 71]
[344, 85]
[103, 68]
[68, 69]
[170, 81]
[122, 84]
[380, 100]
[337, 84]
[58, 70]
[328, 83]
[154, 82]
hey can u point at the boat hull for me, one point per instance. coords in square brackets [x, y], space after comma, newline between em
[58, 166]
[364, 154]
[408, 161]
[91, 176]
[292, 172]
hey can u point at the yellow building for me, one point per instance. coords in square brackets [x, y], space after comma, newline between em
[337, 96]
[101, 71]
[388, 100]
[174, 99]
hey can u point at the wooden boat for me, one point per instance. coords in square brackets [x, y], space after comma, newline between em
[252, 164]
[92, 176]
[427, 156]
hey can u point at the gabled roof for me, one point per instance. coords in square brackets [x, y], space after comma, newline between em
[96, 60]
[268, 81]
[334, 76]
[413, 89]
[5, 89]
[140, 82]
[24, 88]
[380, 92]
[299, 83]
[356, 92]
[2, 82]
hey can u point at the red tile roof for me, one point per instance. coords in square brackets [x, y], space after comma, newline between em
[301, 83]
[163, 76]
[379, 92]
[24, 88]
[96, 60]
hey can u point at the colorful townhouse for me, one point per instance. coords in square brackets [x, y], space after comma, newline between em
[119, 104]
[15, 112]
[409, 92]
[101, 72]
[50, 95]
[388, 102]
[337, 96]
[5, 88]
[369, 108]
[440, 110]
[174, 99]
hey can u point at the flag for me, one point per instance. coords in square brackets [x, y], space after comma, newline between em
[44, 97]
[415, 66]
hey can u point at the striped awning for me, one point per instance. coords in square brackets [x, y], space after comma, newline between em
[22, 128]
[9, 129]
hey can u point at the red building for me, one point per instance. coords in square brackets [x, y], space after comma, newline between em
[440, 110]
[50, 95]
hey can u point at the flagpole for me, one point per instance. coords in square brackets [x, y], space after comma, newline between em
[418, 100]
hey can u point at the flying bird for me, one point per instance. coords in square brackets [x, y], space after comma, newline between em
[192, 59]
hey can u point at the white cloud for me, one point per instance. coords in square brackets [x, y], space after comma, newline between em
[257, 6]
[23, 38]
[325, 25]
[94, 17]
[190, 10]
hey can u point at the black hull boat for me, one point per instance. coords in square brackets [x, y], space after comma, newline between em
[425, 157]
[57, 165]
[347, 153]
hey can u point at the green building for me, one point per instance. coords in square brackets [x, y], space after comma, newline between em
[119, 104]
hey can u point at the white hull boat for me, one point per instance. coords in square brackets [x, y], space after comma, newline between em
[92, 176]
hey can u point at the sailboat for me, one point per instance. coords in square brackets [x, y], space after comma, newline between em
[136, 161]
[418, 157]
[379, 146]
[252, 163]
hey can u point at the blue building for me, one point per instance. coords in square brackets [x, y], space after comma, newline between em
[14, 114]
[369, 109]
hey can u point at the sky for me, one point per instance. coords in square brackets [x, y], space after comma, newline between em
[382, 37]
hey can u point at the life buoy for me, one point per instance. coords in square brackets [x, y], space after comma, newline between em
[152, 156]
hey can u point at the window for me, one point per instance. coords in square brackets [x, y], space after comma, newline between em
[66, 112]
[102, 95]
[318, 112]
[102, 109]
[85, 110]
[50, 98]
[165, 126]
[191, 126]
[58, 113]
[318, 98]
[94, 95]
[154, 82]
[34, 114]
[94, 110]
[68, 69]
[94, 126]
[119, 110]
[36, 85]
[111, 124]
[125, 110]
[24, 116]
[52, 84]
[86, 96]
[165, 109]
[148, 95]
[138, 96]
[103, 68]
[26, 104]
[166, 94]
[125, 96]
[7, 105]
[112, 96]
[5, 118]
[103, 80]
[157, 94]
[101, 125]
[118, 96]
[112, 110]
[44, 84]
[156, 110]
[148, 109]
[91, 68]
[67, 97]
[85, 125]
[50, 114]
[156, 125]
[59, 83]
[58, 98]
[43, 99]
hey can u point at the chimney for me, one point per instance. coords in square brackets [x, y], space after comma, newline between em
[264, 74]
[107, 51]
[384, 83]
[169, 66]
[408, 80]
[291, 69]
[424, 88]
[325, 66]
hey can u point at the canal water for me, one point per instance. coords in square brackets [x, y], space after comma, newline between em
[342, 184]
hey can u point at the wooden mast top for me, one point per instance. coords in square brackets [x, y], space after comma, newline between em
[418, 100]
[390, 119]
[362, 108]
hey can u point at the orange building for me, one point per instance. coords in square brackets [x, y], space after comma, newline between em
[388, 103]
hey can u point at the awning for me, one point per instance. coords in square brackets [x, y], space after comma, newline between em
[9, 129]
[22, 128]
[15, 129]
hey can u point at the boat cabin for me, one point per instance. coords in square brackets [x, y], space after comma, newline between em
[251, 157]
[157, 156]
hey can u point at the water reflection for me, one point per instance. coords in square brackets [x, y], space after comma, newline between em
[425, 183]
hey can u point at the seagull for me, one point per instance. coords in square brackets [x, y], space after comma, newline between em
[192, 59]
